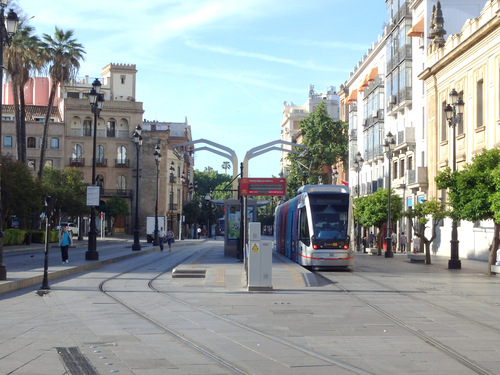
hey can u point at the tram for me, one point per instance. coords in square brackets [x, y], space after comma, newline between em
[315, 227]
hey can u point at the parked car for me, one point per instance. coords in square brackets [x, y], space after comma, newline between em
[72, 227]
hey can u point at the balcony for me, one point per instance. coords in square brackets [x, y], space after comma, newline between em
[122, 163]
[417, 178]
[77, 162]
[101, 163]
[405, 141]
[124, 193]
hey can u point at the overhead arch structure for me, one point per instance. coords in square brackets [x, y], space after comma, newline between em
[231, 155]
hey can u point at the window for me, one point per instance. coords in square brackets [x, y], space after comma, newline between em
[31, 164]
[31, 142]
[48, 164]
[100, 154]
[479, 104]
[410, 163]
[121, 183]
[122, 79]
[401, 168]
[74, 95]
[54, 143]
[87, 128]
[77, 152]
[7, 141]
[99, 181]
[111, 129]
[121, 156]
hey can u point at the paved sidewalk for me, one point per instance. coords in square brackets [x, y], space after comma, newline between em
[25, 263]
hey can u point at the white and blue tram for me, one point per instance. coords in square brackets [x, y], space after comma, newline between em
[315, 227]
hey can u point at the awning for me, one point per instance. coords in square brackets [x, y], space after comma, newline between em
[353, 96]
[363, 84]
[373, 74]
[417, 29]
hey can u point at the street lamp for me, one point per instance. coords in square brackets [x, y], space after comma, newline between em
[389, 145]
[181, 223]
[8, 27]
[454, 114]
[138, 143]
[172, 180]
[96, 101]
[208, 199]
[157, 155]
[335, 175]
[358, 162]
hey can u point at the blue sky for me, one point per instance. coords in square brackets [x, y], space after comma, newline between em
[226, 65]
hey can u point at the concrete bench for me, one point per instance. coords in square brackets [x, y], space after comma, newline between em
[372, 250]
[418, 257]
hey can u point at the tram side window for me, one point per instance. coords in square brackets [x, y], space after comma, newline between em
[304, 227]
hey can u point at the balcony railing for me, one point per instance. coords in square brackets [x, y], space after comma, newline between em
[122, 163]
[101, 163]
[119, 192]
[77, 162]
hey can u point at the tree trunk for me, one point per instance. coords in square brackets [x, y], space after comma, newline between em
[22, 106]
[493, 249]
[427, 245]
[45, 131]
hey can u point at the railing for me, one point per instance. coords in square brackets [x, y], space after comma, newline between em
[77, 162]
[118, 192]
[122, 163]
[101, 163]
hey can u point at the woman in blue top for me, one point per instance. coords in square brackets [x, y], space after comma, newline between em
[65, 241]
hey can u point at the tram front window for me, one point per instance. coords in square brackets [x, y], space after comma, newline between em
[329, 215]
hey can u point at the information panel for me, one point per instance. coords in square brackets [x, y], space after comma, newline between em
[263, 186]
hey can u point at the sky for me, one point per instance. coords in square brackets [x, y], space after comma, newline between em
[225, 65]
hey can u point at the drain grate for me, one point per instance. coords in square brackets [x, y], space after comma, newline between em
[75, 361]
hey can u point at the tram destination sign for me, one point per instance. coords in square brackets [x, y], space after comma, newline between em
[263, 186]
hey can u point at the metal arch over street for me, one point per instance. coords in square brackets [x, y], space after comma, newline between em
[231, 155]
[262, 149]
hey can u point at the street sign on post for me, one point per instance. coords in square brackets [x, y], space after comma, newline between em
[263, 186]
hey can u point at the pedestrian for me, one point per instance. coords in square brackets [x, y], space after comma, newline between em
[372, 239]
[416, 243]
[161, 238]
[199, 232]
[170, 238]
[402, 242]
[394, 240]
[65, 241]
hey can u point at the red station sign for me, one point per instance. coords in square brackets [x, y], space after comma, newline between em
[263, 186]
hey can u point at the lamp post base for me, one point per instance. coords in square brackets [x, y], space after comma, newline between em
[136, 246]
[388, 251]
[454, 264]
[3, 272]
[92, 253]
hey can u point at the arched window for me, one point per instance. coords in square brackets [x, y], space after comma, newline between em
[111, 128]
[54, 142]
[31, 142]
[121, 184]
[101, 162]
[76, 156]
[121, 157]
[87, 127]
[99, 181]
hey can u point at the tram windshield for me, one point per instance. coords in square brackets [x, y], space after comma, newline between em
[329, 215]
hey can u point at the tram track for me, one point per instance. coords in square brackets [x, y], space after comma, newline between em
[446, 349]
[244, 348]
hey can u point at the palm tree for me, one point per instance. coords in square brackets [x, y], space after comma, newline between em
[226, 165]
[63, 55]
[22, 57]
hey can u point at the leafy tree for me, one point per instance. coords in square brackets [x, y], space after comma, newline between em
[474, 193]
[68, 192]
[63, 54]
[21, 194]
[116, 206]
[371, 210]
[433, 211]
[327, 144]
[22, 58]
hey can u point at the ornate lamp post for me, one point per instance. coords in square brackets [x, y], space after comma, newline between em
[454, 114]
[358, 162]
[172, 180]
[157, 155]
[8, 27]
[138, 143]
[96, 101]
[181, 223]
[335, 175]
[389, 145]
